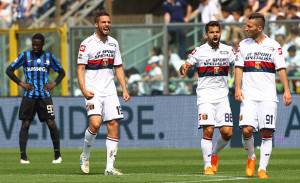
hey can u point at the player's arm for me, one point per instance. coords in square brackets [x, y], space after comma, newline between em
[57, 68]
[121, 78]
[184, 68]
[238, 75]
[287, 97]
[11, 69]
[81, 81]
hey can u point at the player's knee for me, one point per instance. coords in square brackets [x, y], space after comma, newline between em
[25, 125]
[247, 132]
[266, 133]
[227, 135]
[113, 124]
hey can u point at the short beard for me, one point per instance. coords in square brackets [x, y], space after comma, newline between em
[214, 45]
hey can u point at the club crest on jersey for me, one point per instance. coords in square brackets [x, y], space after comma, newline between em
[105, 62]
[203, 116]
[257, 65]
[90, 106]
[216, 70]
[280, 51]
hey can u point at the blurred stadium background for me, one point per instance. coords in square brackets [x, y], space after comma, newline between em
[164, 121]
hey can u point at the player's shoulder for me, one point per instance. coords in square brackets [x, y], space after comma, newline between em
[246, 41]
[225, 46]
[88, 40]
[272, 42]
[112, 41]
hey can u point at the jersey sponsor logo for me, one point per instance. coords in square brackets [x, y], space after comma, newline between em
[280, 51]
[259, 56]
[203, 116]
[82, 48]
[41, 69]
[105, 53]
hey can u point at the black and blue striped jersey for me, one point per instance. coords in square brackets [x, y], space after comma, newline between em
[36, 68]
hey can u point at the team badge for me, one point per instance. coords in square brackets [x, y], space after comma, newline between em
[105, 62]
[203, 116]
[241, 117]
[90, 106]
[216, 70]
[257, 65]
[38, 61]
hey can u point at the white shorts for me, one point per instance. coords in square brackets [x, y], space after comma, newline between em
[258, 114]
[216, 114]
[106, 106]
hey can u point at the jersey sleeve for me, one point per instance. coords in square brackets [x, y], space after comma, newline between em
[118, 58]
[83, 56]
[55, 63]
[232, 56]
[19, 61]
[279, 60]
[239, 60]
[192, 57]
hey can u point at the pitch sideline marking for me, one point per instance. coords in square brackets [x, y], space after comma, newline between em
[211, 180]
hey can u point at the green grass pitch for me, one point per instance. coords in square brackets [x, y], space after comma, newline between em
[144, 165]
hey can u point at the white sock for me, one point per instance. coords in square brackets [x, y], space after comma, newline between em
[265, 153]
[111, 152]
[221, 143]
[89, 139]
[249, 146]
[206, 146]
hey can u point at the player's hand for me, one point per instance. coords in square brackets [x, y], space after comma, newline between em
[50, 86]
[239, 96]
[88, 94]
[26, 86]
[287, 98]
[183, 69]
[126, 96]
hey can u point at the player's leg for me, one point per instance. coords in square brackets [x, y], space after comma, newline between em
[26, 115]
[94, 108]
[206, 146]
[267, 121]
[23, 138]
[45, 110]
[249, 123]
[224, 123]
[112, 112]
[206, 120]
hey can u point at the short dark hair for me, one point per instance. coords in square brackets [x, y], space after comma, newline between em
[38, 36]
[260, 17]
[212, 24]
[99, 14]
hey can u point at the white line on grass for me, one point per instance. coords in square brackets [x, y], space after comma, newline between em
[211, 180]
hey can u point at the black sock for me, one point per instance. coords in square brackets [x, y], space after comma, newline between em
[23, 138]
[55, 139]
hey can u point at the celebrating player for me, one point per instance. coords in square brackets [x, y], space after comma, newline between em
[98, 55]
[212, 60]
[36, 65]
[259, 59]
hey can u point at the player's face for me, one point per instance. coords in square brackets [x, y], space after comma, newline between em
[37, 45]
[103, 25]
[213, 36]
[252, 29]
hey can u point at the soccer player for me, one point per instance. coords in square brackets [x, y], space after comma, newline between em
[213, 60]
[259, 59]
[99, 56]
[36, 65]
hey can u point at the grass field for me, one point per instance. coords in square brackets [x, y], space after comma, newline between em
[144, 165]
